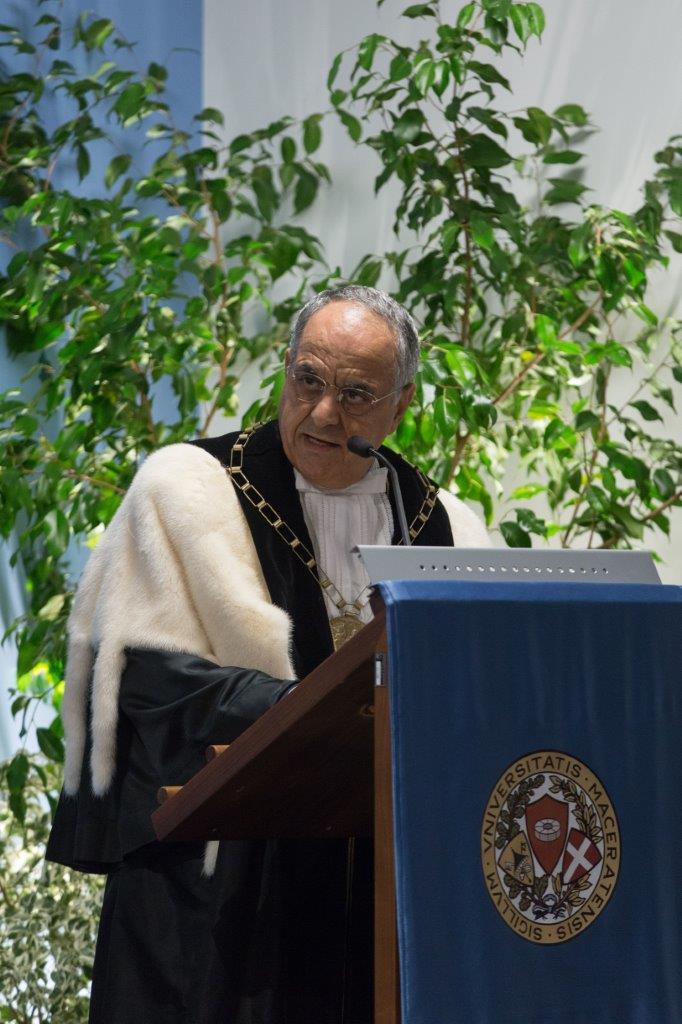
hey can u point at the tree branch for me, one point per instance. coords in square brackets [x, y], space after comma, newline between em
[468, 270]
[523, 373]
[662, 507]
[590, 470]
[228, 352]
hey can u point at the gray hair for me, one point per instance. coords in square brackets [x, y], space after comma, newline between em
[382, 305]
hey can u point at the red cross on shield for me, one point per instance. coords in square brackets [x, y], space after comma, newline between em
[547, 824]
[580, 857]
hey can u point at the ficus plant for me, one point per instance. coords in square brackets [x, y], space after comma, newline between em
[138, 301]
[532, 300]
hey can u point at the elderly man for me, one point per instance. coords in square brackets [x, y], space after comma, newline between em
[226, 575]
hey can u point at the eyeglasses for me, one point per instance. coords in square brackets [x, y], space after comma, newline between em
[310, 388]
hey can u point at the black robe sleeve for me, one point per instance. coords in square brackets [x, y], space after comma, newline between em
[171, 707]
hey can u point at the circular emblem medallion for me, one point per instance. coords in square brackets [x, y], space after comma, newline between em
[550, 846]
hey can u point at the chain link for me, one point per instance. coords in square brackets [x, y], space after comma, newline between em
[302, 551]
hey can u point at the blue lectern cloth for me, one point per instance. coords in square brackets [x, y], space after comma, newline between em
[480, 675]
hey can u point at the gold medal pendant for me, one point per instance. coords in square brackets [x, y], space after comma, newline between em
[343, 628]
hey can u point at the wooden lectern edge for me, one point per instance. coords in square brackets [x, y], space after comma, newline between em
[254, 740]
[215, 750]
[369, 641]
[166, 792]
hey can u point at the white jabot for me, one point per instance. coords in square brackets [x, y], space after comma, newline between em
[338, 520]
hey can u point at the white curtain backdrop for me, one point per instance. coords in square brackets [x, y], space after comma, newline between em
[618, 58]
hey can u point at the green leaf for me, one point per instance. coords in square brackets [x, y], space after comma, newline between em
[17, 773]
[427, 427]
[334, 70]
[482, 232]
[536, 17]
[530, 522]
[52, 608]
[646, 411]
[50, 744]
[305, 191]
[130, 101]
[118, 166]
[631, 467]
[465, 15]
[482, 151]
[521, 21]
[572, 113]
[449, 235]
[419, 11]
[488, 73]
[424, 76]
[486, 118]
[266, 196]
[97, 33]
[562, 156]
[646, 314]
[369, 273]
[82, 161]
[559, 437]
[675, 196]
[288, 149]
[634, 274]
[587, 420]
[367, 49]
[407, 127]
[160, 73]
[564, 191]
[578, 246]
[664, 483]
[461, 363]
[351, 124]
[675, 239]
[633, 527]
[312, 133]
[407, 430]
[442, 77]
[400, 67]
[17, 805]
[208, 113]
[541, 409]
[446, 415]
[515, 536]
[527, 491]
[545, 329]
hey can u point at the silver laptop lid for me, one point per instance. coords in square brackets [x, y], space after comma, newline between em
[385, 562]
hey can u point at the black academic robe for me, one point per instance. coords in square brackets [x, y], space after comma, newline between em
[282, 931]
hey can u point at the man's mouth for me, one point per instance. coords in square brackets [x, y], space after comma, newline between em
[320, 443]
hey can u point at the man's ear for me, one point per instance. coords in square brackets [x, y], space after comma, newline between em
[406, 396]
[287, 359]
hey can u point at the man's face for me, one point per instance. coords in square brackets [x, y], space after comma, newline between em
[345, 344]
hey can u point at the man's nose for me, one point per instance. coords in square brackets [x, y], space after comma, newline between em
[326, 412]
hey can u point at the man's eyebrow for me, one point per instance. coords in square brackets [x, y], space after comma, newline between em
[305, 364]
[362, 385]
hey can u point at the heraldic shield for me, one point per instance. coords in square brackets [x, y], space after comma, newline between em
[580, 857]
[547, 824]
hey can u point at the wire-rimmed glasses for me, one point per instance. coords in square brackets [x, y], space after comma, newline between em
[310, 388]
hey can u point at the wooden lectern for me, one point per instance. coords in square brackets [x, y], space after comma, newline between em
[317, 764]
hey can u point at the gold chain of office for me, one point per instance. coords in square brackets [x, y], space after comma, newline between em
[348, 622]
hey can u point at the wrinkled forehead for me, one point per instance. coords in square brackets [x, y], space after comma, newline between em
[348, 336]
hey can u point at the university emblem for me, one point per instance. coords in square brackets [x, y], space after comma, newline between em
[550, 847]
